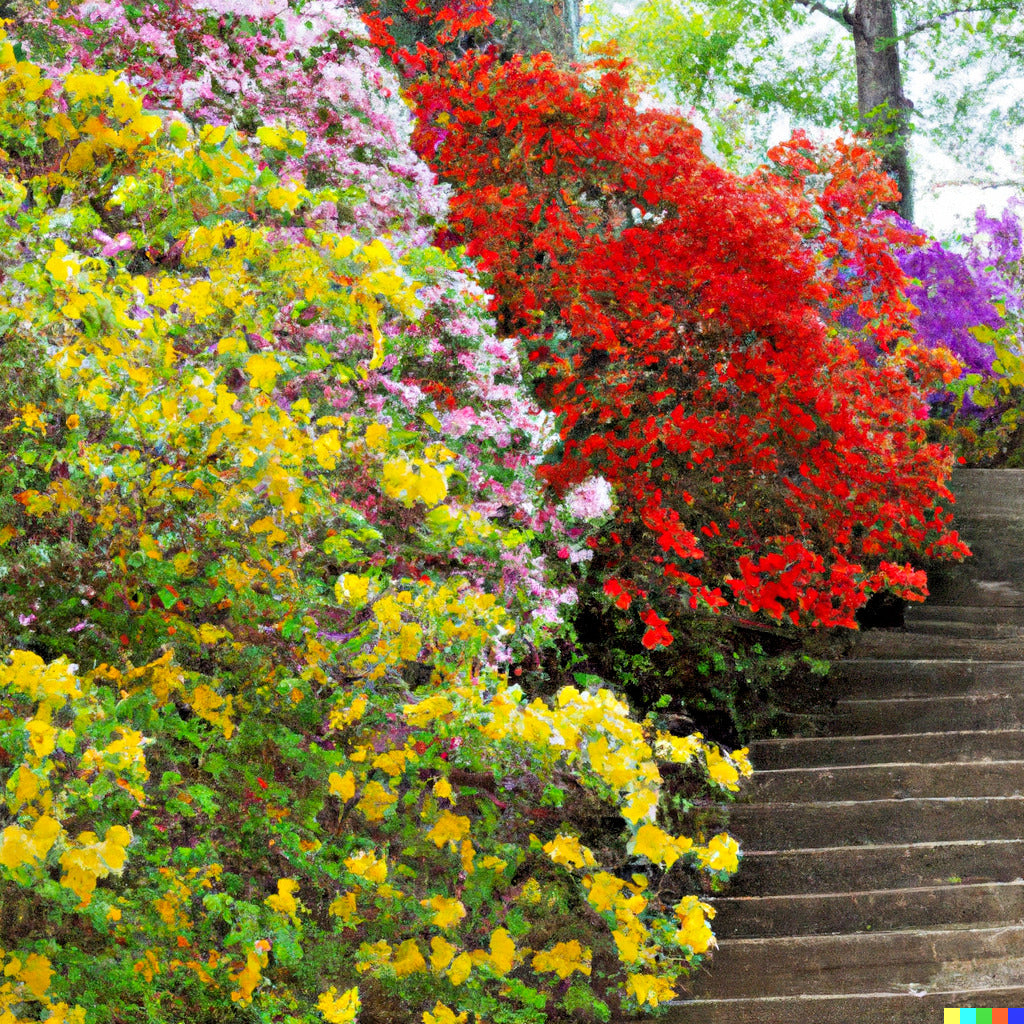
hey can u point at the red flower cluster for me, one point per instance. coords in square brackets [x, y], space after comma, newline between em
[685, 327]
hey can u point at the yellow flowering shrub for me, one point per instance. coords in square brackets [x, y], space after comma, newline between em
[295, 776]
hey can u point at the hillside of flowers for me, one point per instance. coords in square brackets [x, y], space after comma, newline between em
[343, 382]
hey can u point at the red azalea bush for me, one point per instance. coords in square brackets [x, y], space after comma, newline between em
[684, 325]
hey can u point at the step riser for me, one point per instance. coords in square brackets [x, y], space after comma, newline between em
[845, 964]
[796, 826]
[924, 678]
[887, 644]
[888, 782]
[871, 717]
[957, 613]
[968, 630]
[854, 1009]
[823, 914]
[852, 868]
[826, 751]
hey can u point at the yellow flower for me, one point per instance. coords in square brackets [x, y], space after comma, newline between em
[443, 1015]
[263, 371]
[284, 902]
[339, 1009]
[563, 958]
[36, 973]
[352, 589]
[721, 854]
[427, 710]
[442, 952]
[569, 851]
[376, 800]
[344, 907]
[409, 959]
[658, 846]
[460, 969]
[603, 890]
[449, 828]
[376, 435]
[366, 865]
[649, 988]
[694, 931]
[642, 804]
[343, 786]
[721, 769]
[503, 951]
[448, 912]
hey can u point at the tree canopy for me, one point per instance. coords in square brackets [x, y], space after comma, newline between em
[955, 78]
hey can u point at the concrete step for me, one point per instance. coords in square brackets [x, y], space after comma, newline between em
[965, 630]
[988, 490]
[866, 717]
[860, 1008]
[778, 826]
[932, 611]
[888, 781]
[839, 964]
[938, 747]
[888, 644]
[878, 866]
[899, 677]
[941, 906]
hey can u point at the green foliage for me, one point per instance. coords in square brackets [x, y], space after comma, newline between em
[795, 58]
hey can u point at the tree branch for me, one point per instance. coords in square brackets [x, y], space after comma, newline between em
[839, 17]
[923, 26]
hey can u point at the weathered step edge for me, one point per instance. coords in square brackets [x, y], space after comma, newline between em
[862, 1008]
[887, 781]
[845, 964]
[778, 826]
[878, 866]
[984, 903]
[886, 748]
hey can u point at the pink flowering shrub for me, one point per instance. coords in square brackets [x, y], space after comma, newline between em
[336, 121]
[268, 530]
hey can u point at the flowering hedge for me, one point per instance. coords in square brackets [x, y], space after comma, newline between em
[266, 558]
[684, 324]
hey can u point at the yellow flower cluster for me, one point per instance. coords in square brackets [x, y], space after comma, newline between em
[38, 834]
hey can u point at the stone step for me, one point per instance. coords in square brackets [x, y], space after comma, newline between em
[987, 489]
[975, 590]
[887, 781]
[778, 826]
[839, 964]
[859, 1008]
[878, 866]
[898, 677]
[932, 611]
[861, 717]
[888, 644]
[982, 903]
[966, 630]
[939, 747]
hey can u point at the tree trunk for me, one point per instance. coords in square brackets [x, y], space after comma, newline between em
[532, 26]
[880, 101]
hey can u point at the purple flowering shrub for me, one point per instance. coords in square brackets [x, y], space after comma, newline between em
[971, 304]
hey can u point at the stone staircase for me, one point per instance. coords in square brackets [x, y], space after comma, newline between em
[883, 876]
